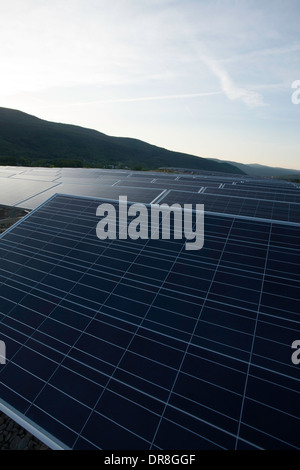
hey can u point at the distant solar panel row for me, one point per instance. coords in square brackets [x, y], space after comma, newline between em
[123, 344]
[255, 208]
[286, 196]
[30, 187]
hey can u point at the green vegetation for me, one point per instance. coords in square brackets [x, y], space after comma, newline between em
[29, 141]
[290, 178]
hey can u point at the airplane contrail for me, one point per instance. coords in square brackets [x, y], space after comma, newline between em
[143, 98]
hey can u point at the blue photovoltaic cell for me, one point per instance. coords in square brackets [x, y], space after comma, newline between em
[238, 205]
[128, 345]
[224, 193]
[122, 344]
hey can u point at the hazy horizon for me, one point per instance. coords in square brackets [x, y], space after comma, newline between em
[208, 78]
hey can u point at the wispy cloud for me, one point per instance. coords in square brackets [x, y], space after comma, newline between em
[232, 91]
[141, 98]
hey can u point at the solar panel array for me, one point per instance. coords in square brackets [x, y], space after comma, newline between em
[123, 344]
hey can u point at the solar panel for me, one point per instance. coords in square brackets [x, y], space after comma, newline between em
[13, 191]
[254, 197]
[144, 194]
[241, 206]
[141, 344]
[161, 184]
[287, 196]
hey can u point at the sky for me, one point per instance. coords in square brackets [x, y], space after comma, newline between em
[211, 78]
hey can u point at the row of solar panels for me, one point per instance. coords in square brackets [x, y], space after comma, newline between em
[140, 344]
[245, 196]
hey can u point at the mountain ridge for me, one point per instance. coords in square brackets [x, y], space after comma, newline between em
[257, 169]
[30, 141]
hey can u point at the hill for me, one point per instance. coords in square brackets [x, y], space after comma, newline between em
[255, 169]
[30, 141]
[264, 171]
